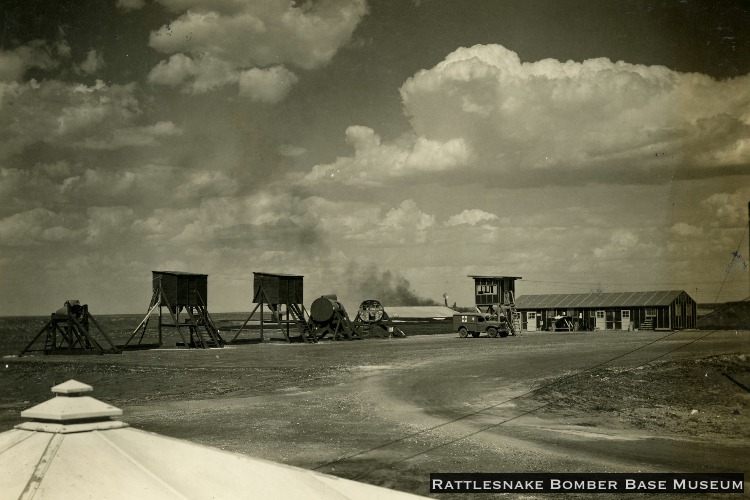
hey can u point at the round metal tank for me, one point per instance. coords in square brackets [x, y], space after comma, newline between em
[323, 309]
[371, 311]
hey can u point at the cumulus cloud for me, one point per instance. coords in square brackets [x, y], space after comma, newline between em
[548, 113]
[195, 75]
[106, 224]
[267, 85]
[622, 243]
[149, 135]
[728, 209]
[472, 217]
[92, 64]
[685, 230]
[69, 115]
[248, 42]
[291, 150]
[375, 163]
[36, 54]
[485, 113]
[36, 227]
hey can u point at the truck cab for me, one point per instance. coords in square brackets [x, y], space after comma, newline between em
[478, 323]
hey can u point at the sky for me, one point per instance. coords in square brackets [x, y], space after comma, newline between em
[384, 149]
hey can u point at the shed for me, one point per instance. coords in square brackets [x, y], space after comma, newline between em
[494, 290]
[278, 288]
[651, 310]
[72, 448]
[181, 289]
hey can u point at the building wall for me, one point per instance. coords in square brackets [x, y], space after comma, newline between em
[182, 289]
[490, 291]
[278, 289]
[680, 315]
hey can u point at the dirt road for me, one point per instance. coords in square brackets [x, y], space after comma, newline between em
[390, 412]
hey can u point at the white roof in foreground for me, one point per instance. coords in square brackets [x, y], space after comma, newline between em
[106, 459]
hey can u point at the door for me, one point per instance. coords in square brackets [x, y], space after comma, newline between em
[601, 320]
[612, 321]
[530, 321]
[625, 313]
[516, 321]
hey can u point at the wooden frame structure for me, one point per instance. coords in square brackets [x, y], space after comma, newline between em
[373, 320]
[72, 323]
[179, 291]
[273, 290]
[329, 316]
[496, 296]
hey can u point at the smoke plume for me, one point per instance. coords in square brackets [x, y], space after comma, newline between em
[390, 288]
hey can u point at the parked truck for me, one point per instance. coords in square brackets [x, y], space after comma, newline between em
[478, 323]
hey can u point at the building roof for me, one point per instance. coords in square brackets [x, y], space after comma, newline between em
[89, 455]
[283, 275]
[591, 300]
[179, 273]
[419, 312]
[483, 276]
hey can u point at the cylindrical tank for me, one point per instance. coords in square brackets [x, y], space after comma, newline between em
[324, 309]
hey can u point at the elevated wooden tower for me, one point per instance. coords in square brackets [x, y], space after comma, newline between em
[178, 292]
[496, 296]
[274, 290]
[69, 332]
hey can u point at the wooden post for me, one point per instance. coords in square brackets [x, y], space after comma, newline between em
[161, 342]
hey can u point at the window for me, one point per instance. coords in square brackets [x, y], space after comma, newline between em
[650, 313]
[600, 314]
[678, 309]
[591, 314]
[486, 289]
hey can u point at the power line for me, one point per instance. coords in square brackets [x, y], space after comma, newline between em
[734, 254]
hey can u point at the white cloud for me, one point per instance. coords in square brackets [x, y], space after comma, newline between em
[196, 75]
[35, 54]
[683, 229]
[69, 115]
[620, 244]
[36, 227]
[149, 135]
[242, 36]
[551, 114]
[92, 64]
[472, 217]
[375, 163]
[267, 85]
[291, 150]
[728, 209]
[485, 113]
[107, 224]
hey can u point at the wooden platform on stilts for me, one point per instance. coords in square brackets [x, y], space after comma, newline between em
[178, 292]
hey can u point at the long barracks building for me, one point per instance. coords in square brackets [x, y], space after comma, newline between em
[663, 310]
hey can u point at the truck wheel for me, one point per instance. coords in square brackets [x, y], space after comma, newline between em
[475, 334]
[492, 332]
[463, 332]
[504, 333]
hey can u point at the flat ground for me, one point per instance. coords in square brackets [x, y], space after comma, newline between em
[389, 412]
